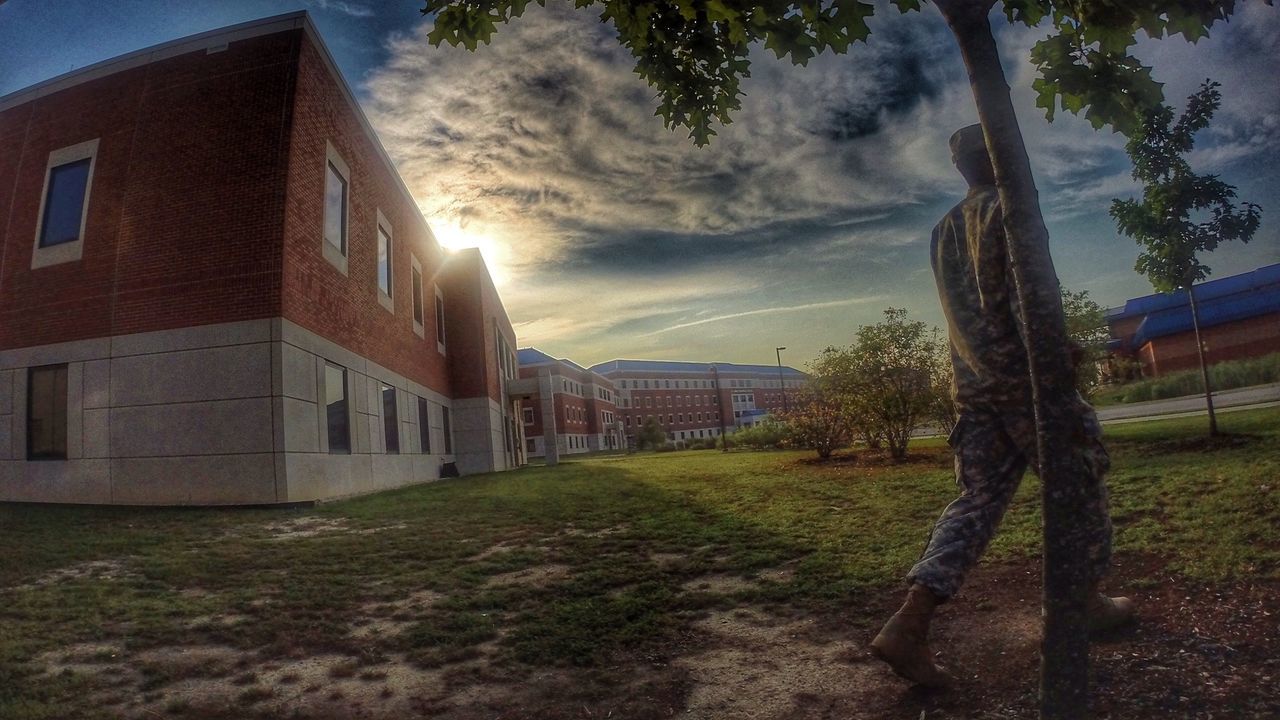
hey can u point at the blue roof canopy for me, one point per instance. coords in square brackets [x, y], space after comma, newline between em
[1229, 299]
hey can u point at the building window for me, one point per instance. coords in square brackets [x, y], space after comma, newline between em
[335, 209]
[64, 206]
[531, 446]
[386, 268]
[64, 203]
[528, 415]
[419, 317]
[424, 425]
[47, 413]
[390, 423]
[448, 434]
[336, 414]
[439, 319]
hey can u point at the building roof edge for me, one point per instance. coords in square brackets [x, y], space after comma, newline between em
[155, 53]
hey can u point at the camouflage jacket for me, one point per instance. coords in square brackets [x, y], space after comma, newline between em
[979, 300]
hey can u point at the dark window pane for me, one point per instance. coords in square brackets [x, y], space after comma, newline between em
[335, 209]
[424, 425]
[417, 296]
[448, 434]
[47, 412]
[335, 390]
[384, 261]
[64, 205]
[390, 423]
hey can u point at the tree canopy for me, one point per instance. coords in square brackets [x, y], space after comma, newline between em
[1181, 214]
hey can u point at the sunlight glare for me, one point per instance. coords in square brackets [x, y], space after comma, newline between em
[453, 236]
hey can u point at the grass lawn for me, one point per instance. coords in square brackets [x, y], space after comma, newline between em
[691, 584]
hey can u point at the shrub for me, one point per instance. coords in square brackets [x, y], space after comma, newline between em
[1224, 376]
[768, 434]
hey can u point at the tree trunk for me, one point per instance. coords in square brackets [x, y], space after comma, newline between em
[1204, 367]
[1065, 645]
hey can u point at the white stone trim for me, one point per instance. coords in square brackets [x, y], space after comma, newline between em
[336, 256]
[70, 251]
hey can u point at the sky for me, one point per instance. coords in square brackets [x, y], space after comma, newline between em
[611, 236]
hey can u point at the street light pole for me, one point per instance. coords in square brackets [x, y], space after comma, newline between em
[781, 382]
[715, 374]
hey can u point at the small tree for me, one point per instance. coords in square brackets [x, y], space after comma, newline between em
[651, 434]
[1087, 329]
[1181, 213]
[886, 380]
[818, 421]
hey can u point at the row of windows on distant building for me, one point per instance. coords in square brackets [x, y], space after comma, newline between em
[572, 414]
[686, 400]
[673, 419]
[577, 388]
[705, 384]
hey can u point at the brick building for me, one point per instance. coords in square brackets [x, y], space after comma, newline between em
[216, 289]
[689, 400]
[1239, 318]
[566, 407]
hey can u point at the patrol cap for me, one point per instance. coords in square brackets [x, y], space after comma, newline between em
[968, 139]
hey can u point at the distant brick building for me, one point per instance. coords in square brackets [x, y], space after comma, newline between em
[1239, 318]
[566, 405]
[596, 408]
[215, 288]
[691, 399]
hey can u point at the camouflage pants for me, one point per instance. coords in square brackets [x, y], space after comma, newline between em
[991, 457]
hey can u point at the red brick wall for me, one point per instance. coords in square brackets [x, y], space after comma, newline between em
[183, 224]
[474, 316]
[1239, 340]
[316, 295]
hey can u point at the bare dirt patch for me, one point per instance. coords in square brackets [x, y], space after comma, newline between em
[93, 570]
[721, 584]
[572, 531]
[305, 527]
[388, 618]
[762, 667]
[505, 547]
[536, 576]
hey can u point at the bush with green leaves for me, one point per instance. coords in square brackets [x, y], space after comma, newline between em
[1224, 376]
[768, 434]
[819, 421]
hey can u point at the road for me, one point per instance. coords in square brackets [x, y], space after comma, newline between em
[1224, 401]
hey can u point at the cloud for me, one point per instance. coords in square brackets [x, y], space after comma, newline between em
[549, 130]
[772, 311]
[346, 8]
[618, 232]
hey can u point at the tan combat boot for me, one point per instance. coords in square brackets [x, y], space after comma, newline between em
[1108, 613]
[903, 642]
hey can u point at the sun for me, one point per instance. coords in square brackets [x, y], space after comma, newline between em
[453, 236]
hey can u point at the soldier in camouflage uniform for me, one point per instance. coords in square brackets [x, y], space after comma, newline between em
[994, 440]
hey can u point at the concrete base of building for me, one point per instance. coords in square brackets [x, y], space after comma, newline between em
[229, 414]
